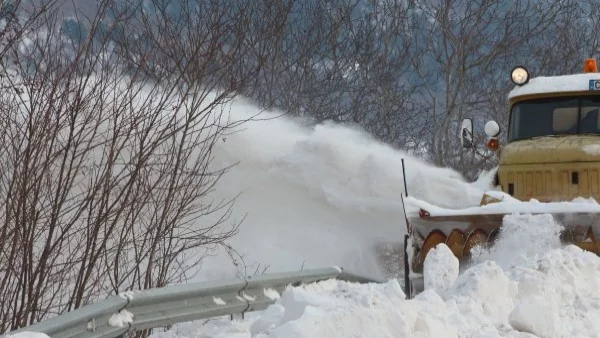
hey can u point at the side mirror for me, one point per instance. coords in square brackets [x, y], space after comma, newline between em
[466, 133]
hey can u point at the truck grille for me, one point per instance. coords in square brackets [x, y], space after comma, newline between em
[551, 184]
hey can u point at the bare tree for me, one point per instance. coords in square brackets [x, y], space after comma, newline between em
[110, 116]
[345, 61]
[107, 153]
[552, 51]
[467, 45]
[384, 99]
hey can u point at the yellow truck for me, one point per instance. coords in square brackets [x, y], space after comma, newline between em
[552, 155]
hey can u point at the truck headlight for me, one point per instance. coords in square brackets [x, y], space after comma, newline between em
[519, 75]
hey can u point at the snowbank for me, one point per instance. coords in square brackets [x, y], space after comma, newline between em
[27, 335]
[553, 293]
[440, 268]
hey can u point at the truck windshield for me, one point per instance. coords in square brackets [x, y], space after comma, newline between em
[555, 116]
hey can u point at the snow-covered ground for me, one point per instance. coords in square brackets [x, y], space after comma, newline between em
[553, 294]
[330, 195]
[527, 285]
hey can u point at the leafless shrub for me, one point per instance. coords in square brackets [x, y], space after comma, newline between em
[107, 164]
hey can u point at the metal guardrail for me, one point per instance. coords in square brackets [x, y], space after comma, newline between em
[159, 307]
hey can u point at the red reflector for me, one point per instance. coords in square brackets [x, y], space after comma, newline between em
[493, 144]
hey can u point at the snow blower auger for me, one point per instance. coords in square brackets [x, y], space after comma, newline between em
[552, 156]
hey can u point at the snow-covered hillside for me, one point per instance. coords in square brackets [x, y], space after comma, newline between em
[330, 195]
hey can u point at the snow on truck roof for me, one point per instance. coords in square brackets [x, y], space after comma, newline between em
[562, 83]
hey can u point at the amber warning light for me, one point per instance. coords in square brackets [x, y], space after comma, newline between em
[590, 66]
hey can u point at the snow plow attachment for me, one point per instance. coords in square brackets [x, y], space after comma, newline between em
[463, 230]
[462, 233]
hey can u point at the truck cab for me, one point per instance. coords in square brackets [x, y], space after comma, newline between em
[553, 146]
[552, 155]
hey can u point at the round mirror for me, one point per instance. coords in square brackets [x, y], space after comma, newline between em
[492, 129]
